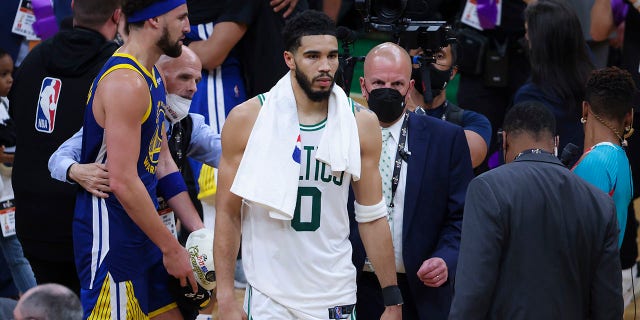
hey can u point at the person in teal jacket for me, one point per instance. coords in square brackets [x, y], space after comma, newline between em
[607, 116]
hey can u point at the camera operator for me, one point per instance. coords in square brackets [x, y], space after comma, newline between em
[477, 128]
[493, 65]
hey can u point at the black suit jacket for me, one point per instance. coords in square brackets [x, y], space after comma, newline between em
[438, 172]
[538, 242]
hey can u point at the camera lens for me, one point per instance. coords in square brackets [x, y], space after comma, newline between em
[389, 11]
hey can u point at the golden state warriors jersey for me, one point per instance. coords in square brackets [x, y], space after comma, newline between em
[304, 264]
[103, 232]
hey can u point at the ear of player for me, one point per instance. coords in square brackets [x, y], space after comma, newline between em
[200, 247]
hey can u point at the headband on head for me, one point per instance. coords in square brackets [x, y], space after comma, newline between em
[156, 9]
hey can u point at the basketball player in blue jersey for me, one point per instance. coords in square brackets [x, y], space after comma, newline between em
[299, 267]
[123, 250]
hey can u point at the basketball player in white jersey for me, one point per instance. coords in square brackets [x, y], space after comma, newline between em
[301, 269]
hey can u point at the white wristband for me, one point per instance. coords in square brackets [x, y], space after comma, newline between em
[370, 213]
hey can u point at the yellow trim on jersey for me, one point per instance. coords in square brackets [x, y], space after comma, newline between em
[148, 112]
[162, 310]
[90, 92]
[130, 67]
[150, 74]
[117, 67]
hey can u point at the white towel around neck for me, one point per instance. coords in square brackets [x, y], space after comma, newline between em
[268, 174]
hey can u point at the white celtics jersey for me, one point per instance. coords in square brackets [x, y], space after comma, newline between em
[304, 264]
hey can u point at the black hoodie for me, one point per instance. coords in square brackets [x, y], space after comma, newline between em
[44, 206]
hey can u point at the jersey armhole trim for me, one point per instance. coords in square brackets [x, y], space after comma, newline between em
[130, 67]
[147, 72]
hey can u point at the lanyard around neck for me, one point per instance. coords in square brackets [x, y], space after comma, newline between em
[401, 155]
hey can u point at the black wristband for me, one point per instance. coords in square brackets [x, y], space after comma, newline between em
[68, 177]
[392, 296]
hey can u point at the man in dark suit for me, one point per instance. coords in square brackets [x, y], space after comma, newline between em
[432, 168]
[538, 242]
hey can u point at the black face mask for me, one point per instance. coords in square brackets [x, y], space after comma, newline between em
[439, 79]
[386, 103]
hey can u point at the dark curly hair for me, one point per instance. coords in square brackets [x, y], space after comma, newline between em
[306, 23]
[610, 92]
[531, 117]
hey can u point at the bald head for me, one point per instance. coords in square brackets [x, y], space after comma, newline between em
[387, 81]
[181, 73]
[388, 55]
[48, 302]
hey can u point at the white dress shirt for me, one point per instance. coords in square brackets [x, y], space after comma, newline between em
[396, 213]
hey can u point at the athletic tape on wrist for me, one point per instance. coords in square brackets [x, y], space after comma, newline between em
[370, 213]
[170, 185]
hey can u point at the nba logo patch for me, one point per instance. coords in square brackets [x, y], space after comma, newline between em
[337, 312]
[48, 104]
[297, 150]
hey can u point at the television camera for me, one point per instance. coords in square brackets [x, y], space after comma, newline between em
[400, 19]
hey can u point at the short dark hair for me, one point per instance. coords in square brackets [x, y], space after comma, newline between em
[531, 117]
[610, 92]
[53, 303]
[306, 23]
[131, 6]
[3, 53]
[94, 13]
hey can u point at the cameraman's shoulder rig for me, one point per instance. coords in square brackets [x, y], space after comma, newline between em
[453, 113]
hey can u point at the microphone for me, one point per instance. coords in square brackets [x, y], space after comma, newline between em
[346, 35]
[570, 154]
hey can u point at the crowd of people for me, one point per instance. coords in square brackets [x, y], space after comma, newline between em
[511, 198]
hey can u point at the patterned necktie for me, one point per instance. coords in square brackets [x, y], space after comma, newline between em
[386, 165]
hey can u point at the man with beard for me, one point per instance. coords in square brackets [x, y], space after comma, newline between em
[425, 167]
[188, 135]
[288, 159]
[120, 242]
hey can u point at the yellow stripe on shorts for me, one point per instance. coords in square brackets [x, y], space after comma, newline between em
[104, 310]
